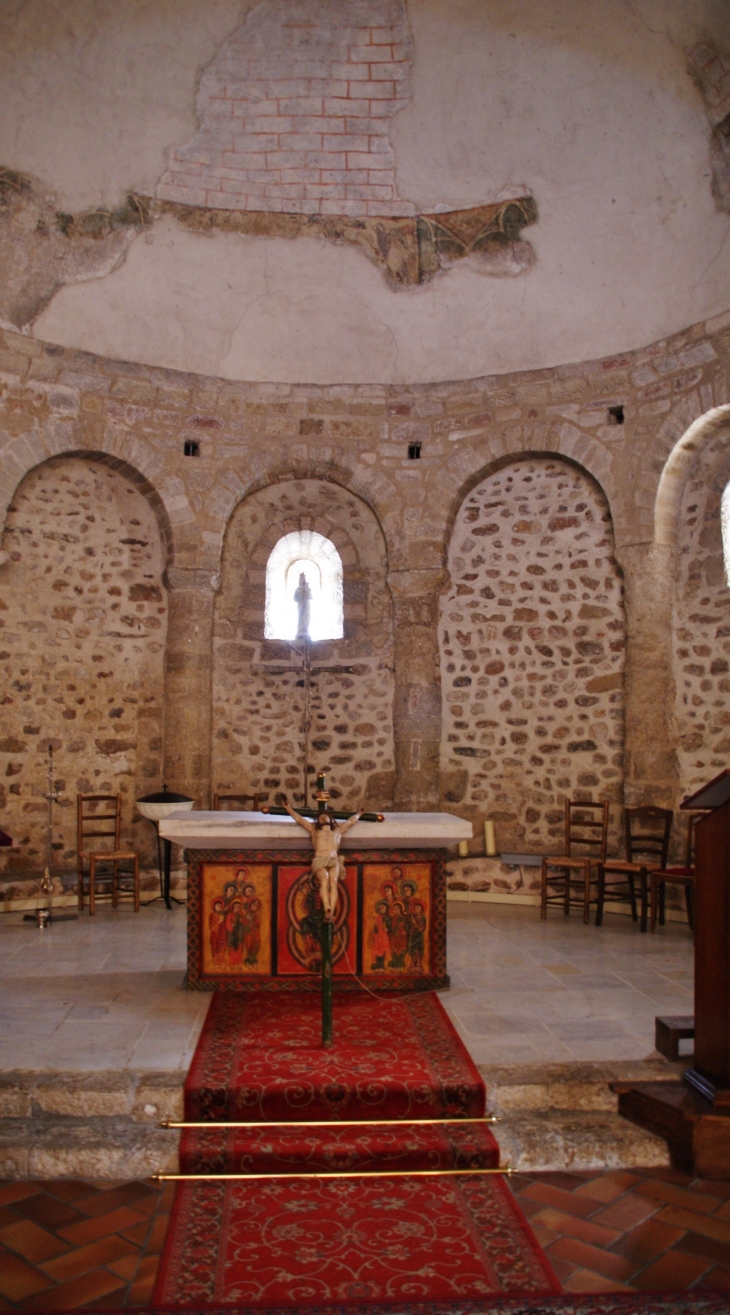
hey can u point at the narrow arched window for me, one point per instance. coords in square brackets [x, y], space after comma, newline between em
[725, 525]
[312, 606]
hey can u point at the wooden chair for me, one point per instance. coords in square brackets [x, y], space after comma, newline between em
[99, 817]
[221, 800]
[678, 876]
[586, 829]
[646, 831]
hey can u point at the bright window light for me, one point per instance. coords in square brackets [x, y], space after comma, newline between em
[304, 552]
[725, 526]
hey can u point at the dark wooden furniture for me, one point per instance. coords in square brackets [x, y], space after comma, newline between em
[646, 831]
[694, 1114]
[223, 800]
[678, 876]
[103, 869]
[586, 835]
[669, 1030]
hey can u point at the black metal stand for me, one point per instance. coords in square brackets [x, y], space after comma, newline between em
[327, 929]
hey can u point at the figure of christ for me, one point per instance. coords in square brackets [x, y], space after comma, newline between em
[327, 866]
[303, 600]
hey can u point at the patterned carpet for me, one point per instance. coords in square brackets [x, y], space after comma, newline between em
[396, 1242]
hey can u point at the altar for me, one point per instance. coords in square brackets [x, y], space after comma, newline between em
[254, 917]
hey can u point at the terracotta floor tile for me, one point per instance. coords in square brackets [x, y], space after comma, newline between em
[81, 1259]
[48, 1211]
[717, 1280]
[699, 1202]
[77, 1292]
[6, 1305]
[715, 1187]
[167, 1195]
[544, 1235]
[666, 1175]
[724, 1211]
[154, 1243]
[584, 1280]
[518, 1181]
[626, 1213]
[138, 1233]
[140, 1291]
[562, 1268]
[708, 1225]
[31, 1241]
[19, 1279]
[672, 1272]
[528, 1207]
[584, 1229]
[126, 1266]
[546, 1194]
[10, 1192]
[124, 1217]
[698, 1245]
[104, 1202]
[647, 1241]
[559, 1178]
[69, 1189]
[8, 1215]
[148, 1205]
[578, 1253]
[608, 1186]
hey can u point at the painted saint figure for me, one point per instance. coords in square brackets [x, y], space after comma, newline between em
[303, 600]
[327, 866]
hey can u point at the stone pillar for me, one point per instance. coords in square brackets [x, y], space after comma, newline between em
[188, 682]
[417, 697]
[651, 772]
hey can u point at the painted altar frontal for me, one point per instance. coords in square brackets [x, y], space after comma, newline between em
[255, 917]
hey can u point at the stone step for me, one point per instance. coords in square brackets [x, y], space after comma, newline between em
[106, 1124]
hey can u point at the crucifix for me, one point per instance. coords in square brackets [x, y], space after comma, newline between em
[327, 870]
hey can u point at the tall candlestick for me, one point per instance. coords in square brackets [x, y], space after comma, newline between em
[490, 844]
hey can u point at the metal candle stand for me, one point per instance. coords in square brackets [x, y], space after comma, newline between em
[43, 916]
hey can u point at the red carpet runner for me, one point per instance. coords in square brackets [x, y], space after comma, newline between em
[411, 1243]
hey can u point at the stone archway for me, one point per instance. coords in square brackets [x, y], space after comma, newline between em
[257, 683]
[532, 650]
[83, 622]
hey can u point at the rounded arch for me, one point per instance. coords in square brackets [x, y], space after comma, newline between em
[165, 492]
[486, 470]
[677, 468]
[303, 557]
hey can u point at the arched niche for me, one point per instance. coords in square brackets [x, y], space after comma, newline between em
[258, 691]
[531, 637]
[83, 621]
[701, 613]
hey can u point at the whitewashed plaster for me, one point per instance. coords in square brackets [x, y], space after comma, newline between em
[588, 106]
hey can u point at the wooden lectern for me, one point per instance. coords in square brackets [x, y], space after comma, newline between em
[694, 1114]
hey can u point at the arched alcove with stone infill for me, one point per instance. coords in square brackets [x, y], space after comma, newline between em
[532, 650]
[701, 621]
[258, 685]
[83, 619]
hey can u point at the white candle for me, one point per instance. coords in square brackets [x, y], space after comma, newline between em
[463, 849]
[490, 845]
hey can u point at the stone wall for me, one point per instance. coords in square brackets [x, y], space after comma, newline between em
[702, 623]
[337, 458]
[532, 654]
[82, 642]
[258, 685]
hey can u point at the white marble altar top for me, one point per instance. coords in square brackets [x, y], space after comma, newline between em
[229, 830]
